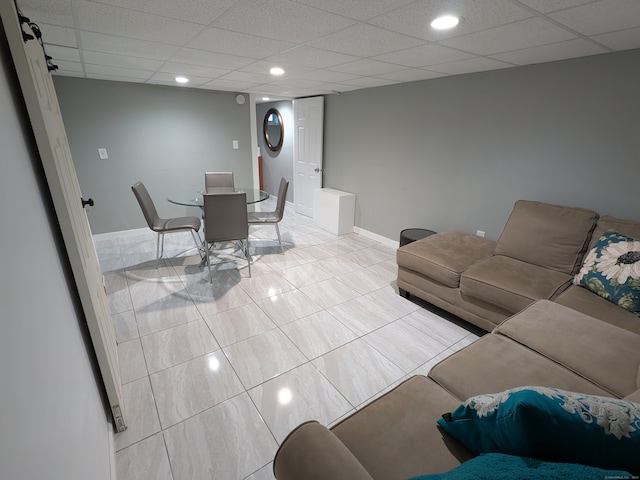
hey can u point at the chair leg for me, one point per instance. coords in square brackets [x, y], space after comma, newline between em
[198, 241]
[247, 254]
[207, 252]
[279, 239]
[158, 250]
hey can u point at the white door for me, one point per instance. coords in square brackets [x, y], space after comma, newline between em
[51, 139]
[307, 151]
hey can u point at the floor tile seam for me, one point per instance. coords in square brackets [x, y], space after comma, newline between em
[328, 351]
[182, 362]
[141, 336]
[308, 362]
[433, 337]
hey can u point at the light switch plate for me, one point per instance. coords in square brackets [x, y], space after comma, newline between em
[103, 153]
[235, 144]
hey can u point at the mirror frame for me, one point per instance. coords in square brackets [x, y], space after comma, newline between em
[265, 130]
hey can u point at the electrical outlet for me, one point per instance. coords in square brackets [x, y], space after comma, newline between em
[103, 153]
[480, 233]
[235, 144]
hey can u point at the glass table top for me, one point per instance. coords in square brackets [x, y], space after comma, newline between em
[192, 197]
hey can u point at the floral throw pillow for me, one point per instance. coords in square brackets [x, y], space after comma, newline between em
[612, 270]
[551, 425]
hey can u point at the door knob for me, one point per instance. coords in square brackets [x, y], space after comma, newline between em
[317, 170]
[86, 202]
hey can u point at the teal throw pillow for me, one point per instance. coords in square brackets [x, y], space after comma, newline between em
[498, 466]
[611, 269]
[552, 425]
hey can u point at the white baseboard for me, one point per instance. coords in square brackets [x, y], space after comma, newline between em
[378, 238]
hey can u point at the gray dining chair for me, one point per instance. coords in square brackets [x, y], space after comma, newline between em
[217, 180]
[164, 225]
[275, 216]
[225, 220]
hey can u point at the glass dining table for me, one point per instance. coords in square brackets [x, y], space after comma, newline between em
[192, 197]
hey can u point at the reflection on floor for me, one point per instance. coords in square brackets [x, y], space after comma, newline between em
[215, 376]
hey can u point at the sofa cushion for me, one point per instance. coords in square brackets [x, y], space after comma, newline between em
[510, 283]
[550, 236]
[612, 270]
[602, 353]
[494, 363]
[498, 466]
[606, 222]
[444, 256]
[587, 302]
[550, 424]
[395, 436]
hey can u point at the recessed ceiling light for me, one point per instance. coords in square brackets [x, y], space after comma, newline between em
[445, 22]
[182, 80]
[276, 71]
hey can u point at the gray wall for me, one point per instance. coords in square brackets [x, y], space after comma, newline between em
[276, 165]
[53, 420]
[166, 137]
[457, 152]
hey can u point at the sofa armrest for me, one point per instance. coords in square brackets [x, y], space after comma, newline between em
[313, 452]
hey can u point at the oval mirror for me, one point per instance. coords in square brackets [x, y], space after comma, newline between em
[273, 130]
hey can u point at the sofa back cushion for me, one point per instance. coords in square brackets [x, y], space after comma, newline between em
[630, 228]
[550, 236]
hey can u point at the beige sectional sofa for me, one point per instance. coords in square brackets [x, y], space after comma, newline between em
[396, 437]
[536, 257]
[576, 342]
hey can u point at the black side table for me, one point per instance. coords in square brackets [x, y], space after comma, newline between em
[409, 235]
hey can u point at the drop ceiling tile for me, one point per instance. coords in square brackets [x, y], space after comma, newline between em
[477, 64]
[263, 66]
[311, 57]
[99, 42]
[365, 41]
[111, 60]
[228, 85]
[63, 53]
[357, 9]
[122, 22]
[280, 20]
[56, 35]
[296, 83]
[68, 66]
[366, 82]
[247, 77]
[514, 36]
[622, 40]
[64, 72]
[235, 43]
[546, 6]
[115, 72]
[424, 55]
[192, 70]
[196, 11]
[414, 19]
[327, 76]
[549, 53]
[170, 79]
[367, 67]
[210, 59]
[601, 17]
[53, 12]
[411, 75]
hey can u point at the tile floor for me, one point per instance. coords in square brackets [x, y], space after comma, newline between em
[215, 376]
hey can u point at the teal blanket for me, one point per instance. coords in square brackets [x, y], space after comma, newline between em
[498, 466]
